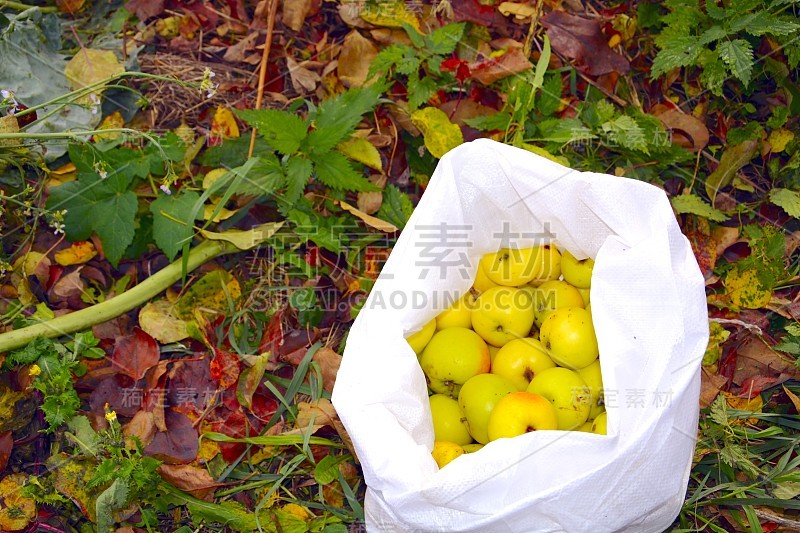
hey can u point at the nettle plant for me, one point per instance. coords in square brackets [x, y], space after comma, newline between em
[719, 38]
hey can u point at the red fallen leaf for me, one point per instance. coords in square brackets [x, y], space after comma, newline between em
[191, 384]
[144, 9]
[225, 368]
[582, 40]
[263, 406]
[120, 393]
[6, 445]
[177, 445]
[135, 354]
[478, 13]
[24, 120]
[232, 423]
[459, 66]
[273, 334]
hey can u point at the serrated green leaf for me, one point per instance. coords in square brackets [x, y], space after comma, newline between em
[625, 132]
[690, 203]
[283, 131]
[762, 22]
[714, 33]
[786, 199]
[298, 172]
[738, 55]
[444, 40]
[83, 434]
[336, 118]
[171, 224]
[677, 52]
[715, 73]
[550, 95]
[789, 345]
[31, 352]
[731, 161]
[396, 207]
[420, 91]
[335, 171]
[390, 57]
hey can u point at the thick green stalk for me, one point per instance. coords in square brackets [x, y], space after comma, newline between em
[130, 299]
[19, 6]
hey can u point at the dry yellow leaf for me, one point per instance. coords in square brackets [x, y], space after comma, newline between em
[79, 253]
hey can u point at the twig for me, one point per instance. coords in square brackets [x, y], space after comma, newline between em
[262, 75]
[528, 46]
[619, 101]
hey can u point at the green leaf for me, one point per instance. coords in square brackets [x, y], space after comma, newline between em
[738, 55]
[113, 221]
[363, 151]
[762, 22]
[31, 352]
[786, 199]
[171, 224]
[731, 161]
[335, 171]
[83, 434]
[677, 52]
[396, 206]
[550, 95]
[714, 33]
[715, 73]
[389, 57]
[779, 117]
[110, 500]
[420, 91]
[336, 118]
[327, 469]
[298, 172]
[283, 131]
[690, 203]
[625, 132]
[444, 40]
[498, 121]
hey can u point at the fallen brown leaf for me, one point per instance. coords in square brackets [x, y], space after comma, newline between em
[582, 40]
[355, 58]
[329, 362]
[141, 426]
[196, 481]
[295, 12]
[687, 130]
[513, 61]
[710, 386]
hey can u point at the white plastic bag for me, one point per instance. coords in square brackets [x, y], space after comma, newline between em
[649, 311]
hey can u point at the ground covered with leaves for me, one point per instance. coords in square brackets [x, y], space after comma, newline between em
[197, 197]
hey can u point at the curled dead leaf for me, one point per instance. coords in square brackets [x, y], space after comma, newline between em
[355, 58]
[196, 481]
[688, 131]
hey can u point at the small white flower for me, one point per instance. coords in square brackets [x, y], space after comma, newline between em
[164, 187]
[58, 228]
[102, 172]
[95, 108]
[6, 94]
[207, 85]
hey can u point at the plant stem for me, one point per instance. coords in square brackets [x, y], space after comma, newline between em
[19, 6]
[130, 299]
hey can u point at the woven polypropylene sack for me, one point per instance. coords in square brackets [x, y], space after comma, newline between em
[649, 312]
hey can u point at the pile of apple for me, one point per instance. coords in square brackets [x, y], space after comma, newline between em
[517, 353]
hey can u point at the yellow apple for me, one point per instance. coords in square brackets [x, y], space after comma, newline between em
[569, 337]
[521, 359]
[420, 339]
[586, 427]
[585, 295]
[568, 393]
[492, 351]
[482, 282]
[458, 315]
[600, 424]
[594, 379]
[512, 267]
[521, 412]
[449, 423]
[577, 272]
[552, 295]
[502, 314]
[472, 448]
[477, 398]
[452, 356]
[548, 265]
[445, 452]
